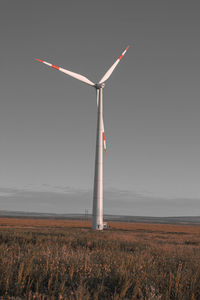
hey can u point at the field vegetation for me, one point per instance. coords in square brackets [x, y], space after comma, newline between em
[60, 259]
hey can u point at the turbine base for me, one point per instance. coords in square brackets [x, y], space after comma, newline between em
[97, 227]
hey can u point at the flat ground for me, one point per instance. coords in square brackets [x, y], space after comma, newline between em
[65, 259]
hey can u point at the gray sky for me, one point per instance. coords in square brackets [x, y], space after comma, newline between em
[151, 105]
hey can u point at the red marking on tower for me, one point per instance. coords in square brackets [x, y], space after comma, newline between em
[55, 67]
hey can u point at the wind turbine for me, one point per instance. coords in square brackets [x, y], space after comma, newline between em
[97, 213]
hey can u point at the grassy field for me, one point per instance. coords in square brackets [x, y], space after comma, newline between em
[61, 259]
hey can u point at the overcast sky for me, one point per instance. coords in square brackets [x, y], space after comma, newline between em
[151, 105]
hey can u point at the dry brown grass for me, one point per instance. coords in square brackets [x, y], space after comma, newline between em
[59, 223]
[163, 228]
[61, 259]
[43, 223]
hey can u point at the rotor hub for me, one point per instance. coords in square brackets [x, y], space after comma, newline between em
[99, 86]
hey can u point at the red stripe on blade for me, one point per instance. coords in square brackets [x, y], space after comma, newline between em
[120, 57]
[39, 60]
[55, 67]
[103, 136]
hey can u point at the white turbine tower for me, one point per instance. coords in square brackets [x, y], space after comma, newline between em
[97, 213]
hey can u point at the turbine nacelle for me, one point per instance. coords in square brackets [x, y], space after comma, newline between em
[99, 86]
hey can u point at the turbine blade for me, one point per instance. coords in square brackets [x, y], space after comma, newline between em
[103, 133]
[104, 139]
[97, 97]
[109, 72]
[72, 74]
